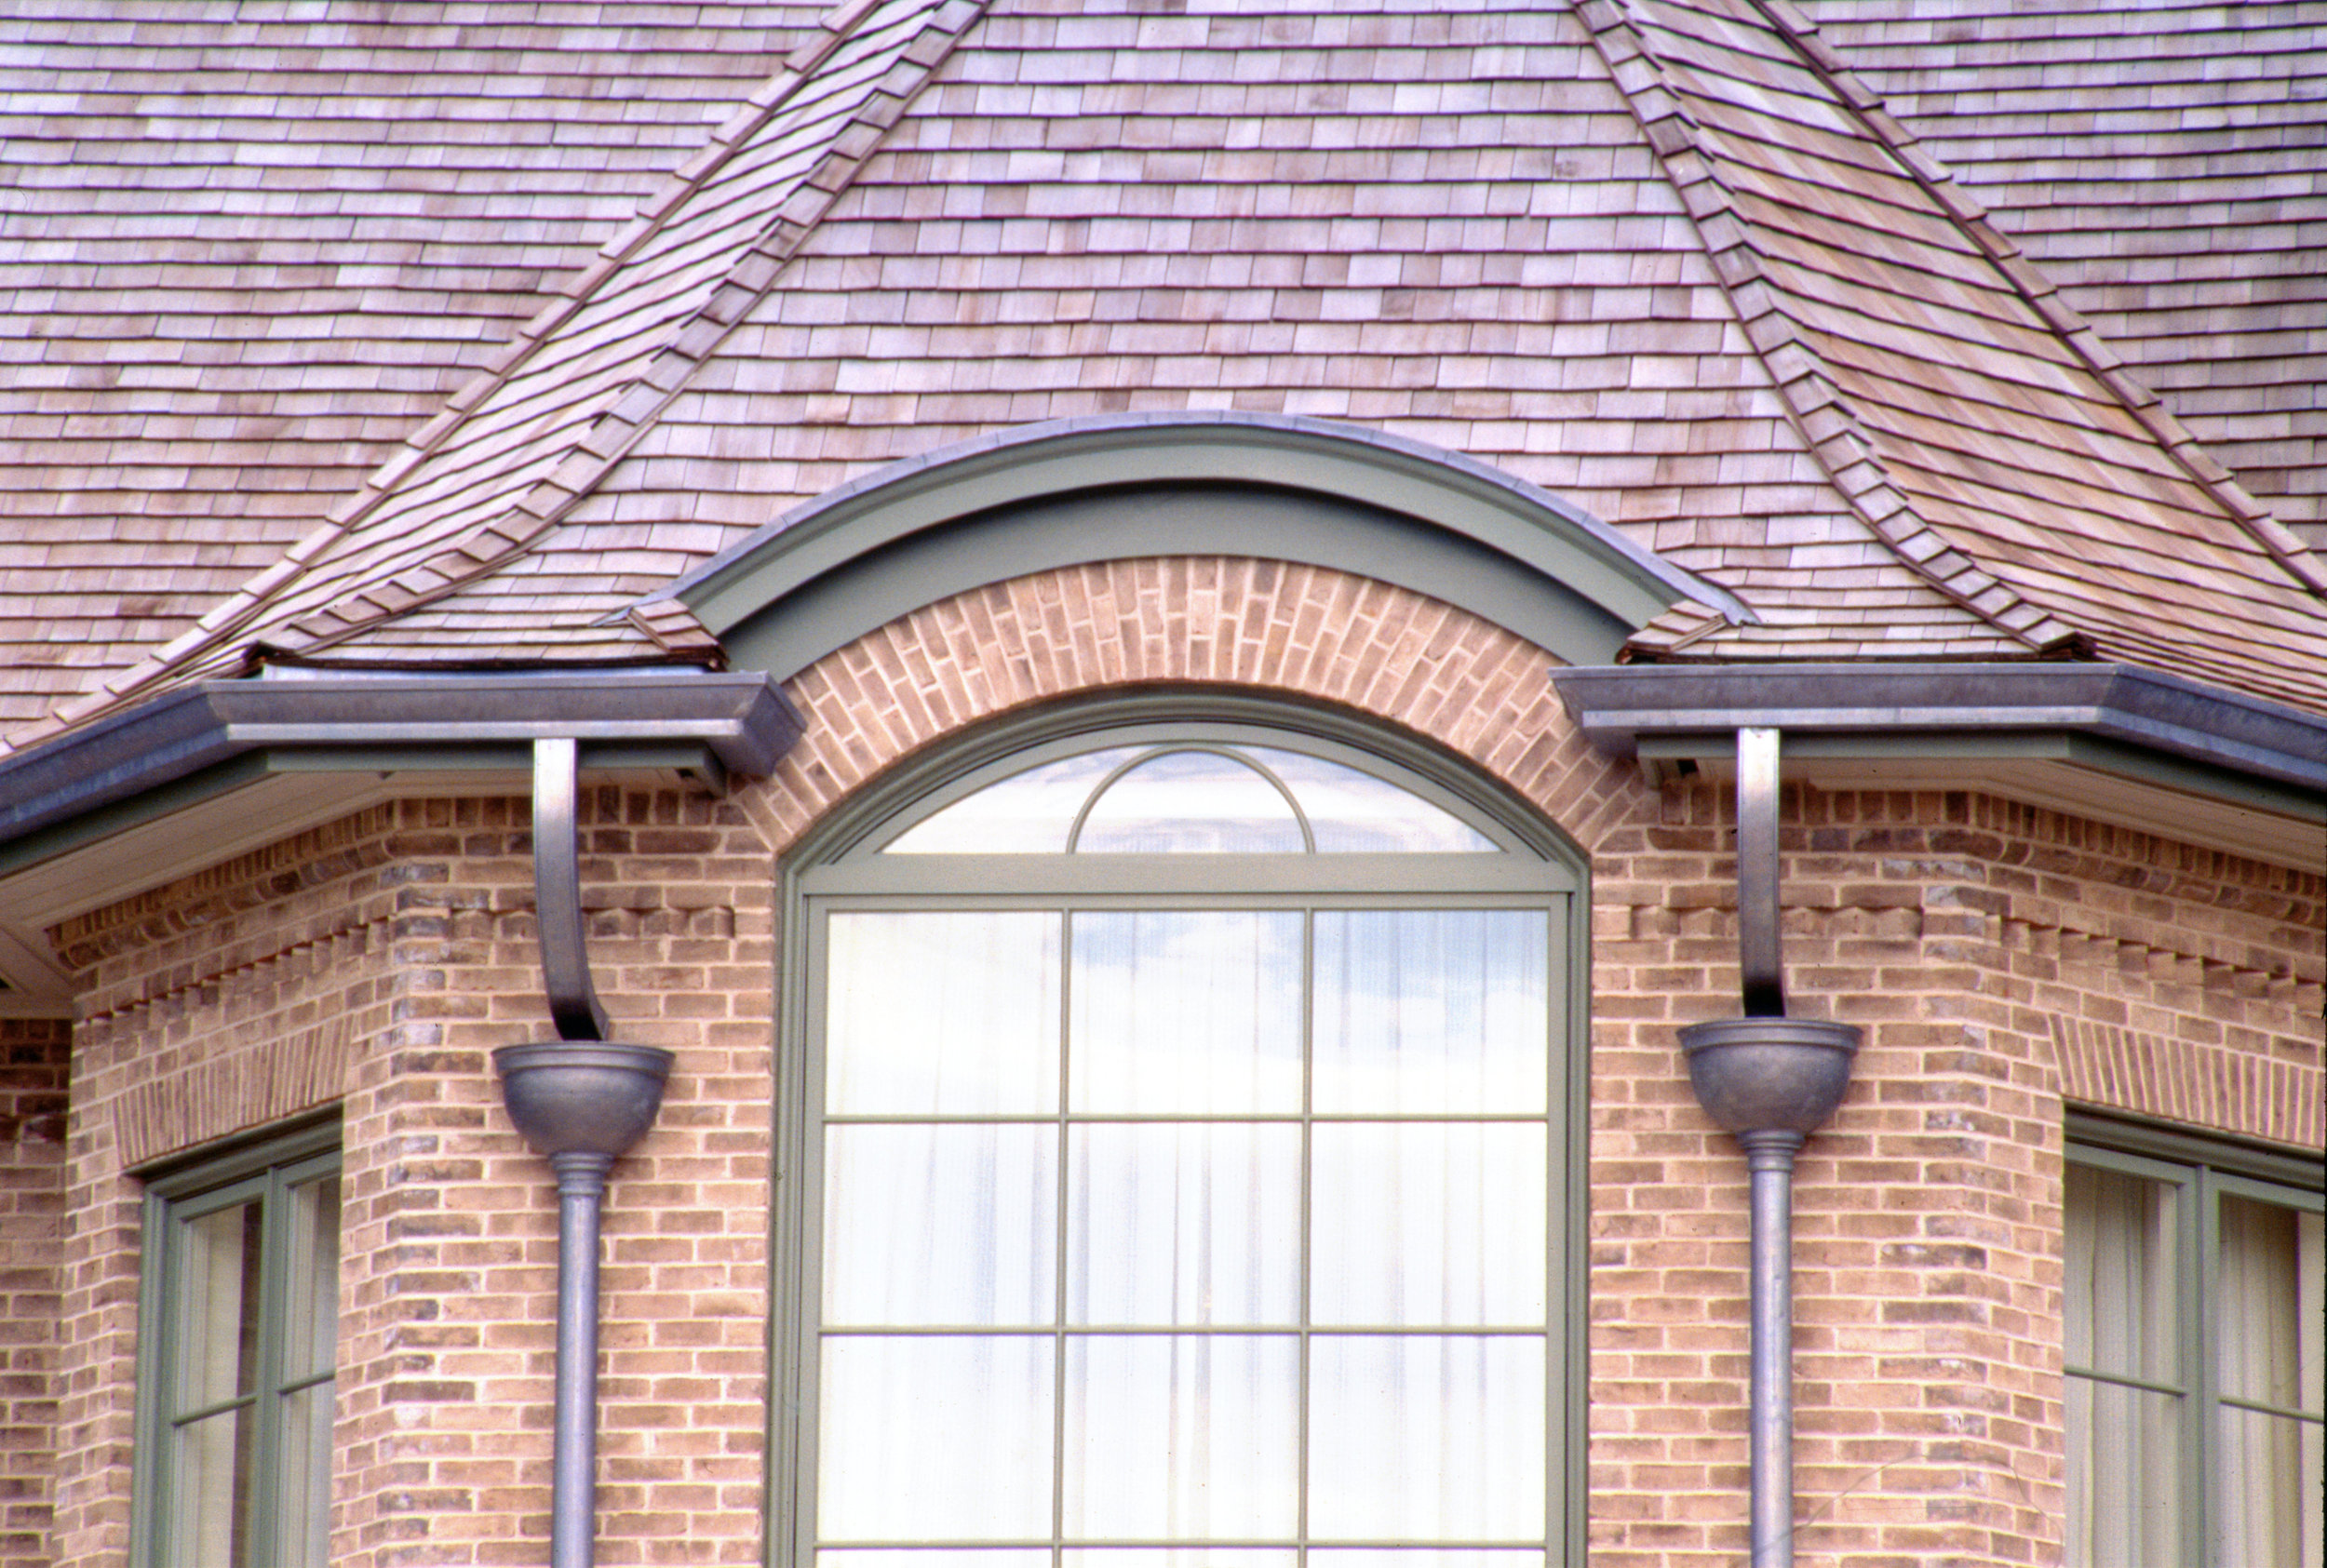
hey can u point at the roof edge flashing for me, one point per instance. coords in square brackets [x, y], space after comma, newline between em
[1436, 486]
[2221, 729]
[742, 718]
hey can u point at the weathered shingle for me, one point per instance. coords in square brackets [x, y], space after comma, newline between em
[1672, 261]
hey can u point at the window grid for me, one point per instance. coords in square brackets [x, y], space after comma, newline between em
[1498, 853]
[2193, 1172]
[1061, 1331]
[273, 1512]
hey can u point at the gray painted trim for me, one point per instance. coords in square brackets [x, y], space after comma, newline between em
[2144, 709]
[1526, 528]
[742, 718]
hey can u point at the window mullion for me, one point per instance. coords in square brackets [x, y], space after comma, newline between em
[2203, 1426]
[266, 1443]
[1066, 938]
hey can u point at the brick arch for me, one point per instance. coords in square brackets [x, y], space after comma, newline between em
[1260, 626]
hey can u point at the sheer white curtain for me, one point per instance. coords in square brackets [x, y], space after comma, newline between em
[2267, 1351]
[2124, 1442]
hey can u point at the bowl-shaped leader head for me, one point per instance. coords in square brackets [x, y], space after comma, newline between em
[583, 1096]
[1770, 1074]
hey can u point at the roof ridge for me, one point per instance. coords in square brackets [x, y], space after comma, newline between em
[2042, 296]
[1813, 404]
[247, 603]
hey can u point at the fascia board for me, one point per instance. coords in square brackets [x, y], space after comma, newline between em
[2230, 730]
[743, 718]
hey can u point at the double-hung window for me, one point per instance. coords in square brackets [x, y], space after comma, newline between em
[2193, 1352]
[1184, 1128]
[236, 1334]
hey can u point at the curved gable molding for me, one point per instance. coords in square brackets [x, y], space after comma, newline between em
[1078, 491]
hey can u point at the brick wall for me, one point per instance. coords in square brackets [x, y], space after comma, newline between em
[32, 1063]
[1981, 944]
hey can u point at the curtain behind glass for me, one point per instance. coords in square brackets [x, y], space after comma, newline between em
[2124, 1444]
[2267, 1351]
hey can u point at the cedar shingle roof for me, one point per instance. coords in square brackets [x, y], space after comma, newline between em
[245, 249]
[2165, 164]
[1669, 261]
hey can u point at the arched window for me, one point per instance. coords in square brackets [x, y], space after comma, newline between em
[1182, 1145]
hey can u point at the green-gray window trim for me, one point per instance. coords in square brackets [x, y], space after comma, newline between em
[834, 865]
[1080, 491]
[2203, 1167]
[268, 1166]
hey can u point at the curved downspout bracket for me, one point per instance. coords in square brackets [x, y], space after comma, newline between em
[574, 1004]
[581, 1100]
[1771, 1081]
[1761, 967]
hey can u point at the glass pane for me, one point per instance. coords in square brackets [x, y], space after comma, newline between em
[942, 1015]
[2119, 1290]
[1433, 1010]
[1351, 811]
[1028, 813]
[311, 1316]
[1192, 802]
[1187, 1011]
[1181, 1435]
[2263, 1321]
[1426, 1223]
[304, 1493]
[218, 1295]
[210, 1498]
[1183, 1224]
[1426, 1438]
[953, 1224]
[2263, 1488]
[2124, 1476]
[935, 1439]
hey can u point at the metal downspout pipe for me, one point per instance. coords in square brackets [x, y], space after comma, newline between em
[583, 1100]
[1771, 1081]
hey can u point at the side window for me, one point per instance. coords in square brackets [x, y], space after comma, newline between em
[1186, 1118]
[237, 1330]
[2194, 1353]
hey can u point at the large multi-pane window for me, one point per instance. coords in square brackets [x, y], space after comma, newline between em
[2194, 1353]
[1185, 1133]
[237, 1332]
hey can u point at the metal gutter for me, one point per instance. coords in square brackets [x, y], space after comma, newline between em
[1619, 706]
[742, 718]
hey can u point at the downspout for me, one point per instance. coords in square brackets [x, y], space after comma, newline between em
[1771, 1081]
[583, 1100]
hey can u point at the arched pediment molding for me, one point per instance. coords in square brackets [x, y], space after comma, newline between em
[1079, 492]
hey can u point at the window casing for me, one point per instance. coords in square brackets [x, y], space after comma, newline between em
[2193, 1355]
[238, 1334]
[1200, 1176]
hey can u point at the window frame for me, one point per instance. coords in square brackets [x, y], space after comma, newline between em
[2204, 1168]
[184, 1187]
[1558, 875]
